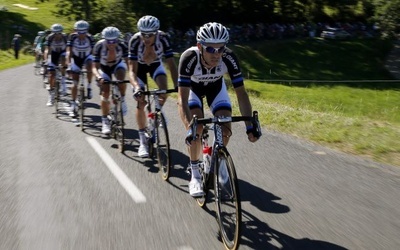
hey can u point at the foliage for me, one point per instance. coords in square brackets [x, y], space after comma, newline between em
[388, 16]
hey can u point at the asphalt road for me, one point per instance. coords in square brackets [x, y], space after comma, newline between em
[57, 192]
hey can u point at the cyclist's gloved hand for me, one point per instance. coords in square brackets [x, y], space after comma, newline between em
[253, 132]
[189, 137]
[137, 93]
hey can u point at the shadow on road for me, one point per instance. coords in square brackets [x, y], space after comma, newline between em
[261, 199]
[257, 234]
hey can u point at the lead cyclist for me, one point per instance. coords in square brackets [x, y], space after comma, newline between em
[201, 74]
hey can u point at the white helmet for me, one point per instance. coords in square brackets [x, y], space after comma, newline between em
[110, 33]
[56, 28]
[81, 25]
[148, 24]
[41, 33]
[212, 33]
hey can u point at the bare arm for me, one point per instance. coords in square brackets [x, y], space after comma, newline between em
[133, 66]
[244, 103]
[173, 69]
[183, 104]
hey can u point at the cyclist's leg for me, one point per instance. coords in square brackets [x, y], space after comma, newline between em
[141, 120]
[75, 71]
[89, 75]
[220, 104]
[63, 63]
[120, 73]
[52, 72]
[105, 103]
[159, 75]
[195, 184]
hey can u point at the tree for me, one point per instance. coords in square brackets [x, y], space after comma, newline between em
[387, 14]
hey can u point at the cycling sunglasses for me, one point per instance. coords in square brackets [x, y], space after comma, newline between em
[82, 32]
[213, 50]
[147, 35]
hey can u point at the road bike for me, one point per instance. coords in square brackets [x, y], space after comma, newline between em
[157, 131]
[218, 172]
[115, 115]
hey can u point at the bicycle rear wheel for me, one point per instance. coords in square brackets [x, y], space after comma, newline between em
[227, 198]
[163, 146]
[81, 100]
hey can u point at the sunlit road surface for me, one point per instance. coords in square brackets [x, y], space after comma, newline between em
[61, 188]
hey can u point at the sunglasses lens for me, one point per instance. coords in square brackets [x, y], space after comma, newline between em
[212, 50]
[147, 35]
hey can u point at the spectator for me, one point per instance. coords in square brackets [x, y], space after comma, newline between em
[16, 44]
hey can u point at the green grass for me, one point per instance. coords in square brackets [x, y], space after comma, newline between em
[357, 118]
[357, 121]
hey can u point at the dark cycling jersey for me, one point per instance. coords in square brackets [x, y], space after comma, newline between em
[162, 47]
[193, 73]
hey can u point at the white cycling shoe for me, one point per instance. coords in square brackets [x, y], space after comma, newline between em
[143, 151]
[106, 129]
[196, 187]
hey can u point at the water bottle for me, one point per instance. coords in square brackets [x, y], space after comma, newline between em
[207, 159]
[150, 125]
[150, 121]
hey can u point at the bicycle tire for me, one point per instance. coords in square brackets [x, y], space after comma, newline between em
[119, 126]
[81, 105]
[227, 199]
[162, 146]
[56, 95]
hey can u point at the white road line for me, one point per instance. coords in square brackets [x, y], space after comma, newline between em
[125, 182]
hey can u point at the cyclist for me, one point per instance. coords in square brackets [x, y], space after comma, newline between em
[201, 70]
[55, 50]
[79, 52]
[37, 45]
[146, 50]
[110, 56]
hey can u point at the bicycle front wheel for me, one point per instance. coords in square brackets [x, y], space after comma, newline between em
[119, 129]
[163, 146]
[227, 199]
[81, 99]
